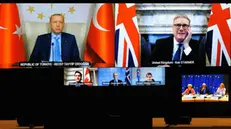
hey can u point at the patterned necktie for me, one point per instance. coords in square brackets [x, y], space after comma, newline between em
[57, 56]
[178, 53]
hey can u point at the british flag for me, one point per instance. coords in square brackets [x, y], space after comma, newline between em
[128, 77]
[127, 38]
[218, 43]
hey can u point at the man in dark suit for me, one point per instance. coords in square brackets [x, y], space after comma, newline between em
[180, 46]
[115, 81]
[78, 79]
[204, 89]
[149, 80]
[55, 46]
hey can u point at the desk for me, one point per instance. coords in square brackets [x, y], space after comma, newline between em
[206, 123]
[197, 98]
[12, 124]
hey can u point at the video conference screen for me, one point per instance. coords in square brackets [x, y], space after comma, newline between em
[205, 88]
[114, 76]
[90, 35]
[95, 47]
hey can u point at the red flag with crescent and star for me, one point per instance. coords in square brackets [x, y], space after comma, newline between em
[99, 49]
[11, 41]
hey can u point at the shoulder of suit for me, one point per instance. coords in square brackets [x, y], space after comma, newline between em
[72, 83]
[68, 34]
[44, 35]
[165, 40]
[194, 41]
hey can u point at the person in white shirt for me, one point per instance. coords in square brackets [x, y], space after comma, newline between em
[221, 89]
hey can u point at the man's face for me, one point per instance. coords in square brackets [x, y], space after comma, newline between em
[180, 29]
[115, 76]
[77, 77]
[57, 24]
[149, 77]
[190, 88]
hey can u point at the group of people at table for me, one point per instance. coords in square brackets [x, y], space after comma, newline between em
[204, 90]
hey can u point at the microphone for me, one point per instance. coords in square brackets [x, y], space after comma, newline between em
[53, 57]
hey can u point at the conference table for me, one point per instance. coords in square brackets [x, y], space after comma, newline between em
[157, 123]
[205, 98]
[12, 124]
[196, 123]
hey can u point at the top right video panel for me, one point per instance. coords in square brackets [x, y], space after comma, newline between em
[190, 34]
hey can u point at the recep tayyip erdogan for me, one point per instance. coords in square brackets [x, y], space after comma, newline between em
[56, 46]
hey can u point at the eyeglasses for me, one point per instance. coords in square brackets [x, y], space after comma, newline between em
[185, 26]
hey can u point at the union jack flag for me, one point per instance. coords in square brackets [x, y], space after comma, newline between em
[127, 38]
[218, 43]
[128, 77]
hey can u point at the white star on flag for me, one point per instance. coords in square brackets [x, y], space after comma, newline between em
[2, 28]
[18, 31]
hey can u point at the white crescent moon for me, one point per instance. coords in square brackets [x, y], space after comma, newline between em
[2, 28]
[95, 21]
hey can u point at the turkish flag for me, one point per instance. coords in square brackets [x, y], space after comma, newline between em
[100, 50]
[11, 38]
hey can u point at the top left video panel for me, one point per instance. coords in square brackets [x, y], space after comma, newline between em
[65, 35]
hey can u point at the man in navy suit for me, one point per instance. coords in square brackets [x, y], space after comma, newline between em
[55, 46]
[180, 46]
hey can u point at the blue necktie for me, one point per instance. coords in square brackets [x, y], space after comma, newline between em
[115, 83]
[178, 53]
[57, 56]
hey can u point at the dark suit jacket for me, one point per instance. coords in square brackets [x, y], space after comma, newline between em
[111, 83]
[149, 83]
[76, 84]
[206, 91]
[69, 48]
[164, 48]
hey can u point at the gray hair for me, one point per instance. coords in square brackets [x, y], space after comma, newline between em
[115, 73]
[182, 16]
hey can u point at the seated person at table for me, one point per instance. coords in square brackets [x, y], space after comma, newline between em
[189, 90]
[78, 79]
[204, 89]
[149, 79]
[115, 81]
[221, 89]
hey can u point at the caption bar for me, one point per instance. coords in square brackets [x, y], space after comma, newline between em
[171, 62]
[148, 83]
[54, 64]
[118, 83]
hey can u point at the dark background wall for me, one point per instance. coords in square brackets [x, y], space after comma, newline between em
[41, 92]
